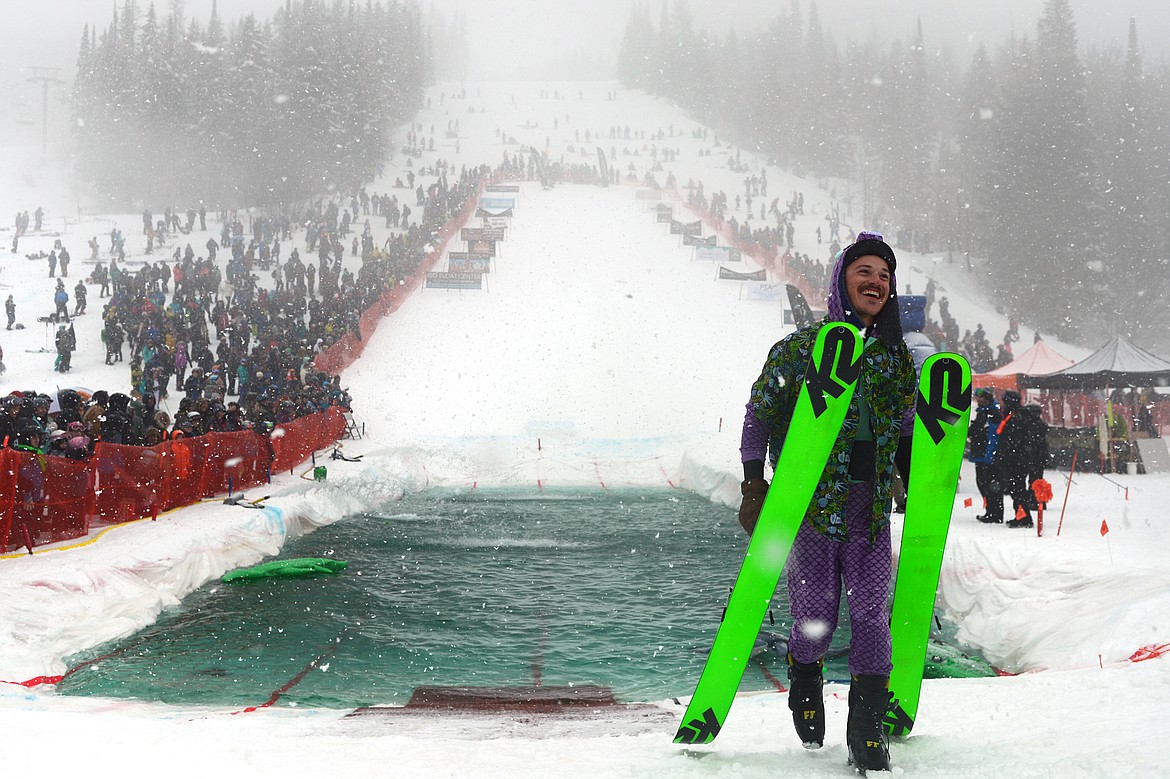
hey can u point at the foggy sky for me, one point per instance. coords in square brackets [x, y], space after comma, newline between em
[536, 39]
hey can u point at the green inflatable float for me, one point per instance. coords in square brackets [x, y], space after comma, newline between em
[286, 569]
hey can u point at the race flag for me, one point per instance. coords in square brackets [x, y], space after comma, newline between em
[1104, 527]
[967, 503]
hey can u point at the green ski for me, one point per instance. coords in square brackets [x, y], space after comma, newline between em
[940, 432]
[820, 410]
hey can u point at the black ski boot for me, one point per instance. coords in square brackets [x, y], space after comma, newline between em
[806, 701]
[865, 735]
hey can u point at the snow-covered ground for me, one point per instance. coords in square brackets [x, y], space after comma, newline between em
[599, 353]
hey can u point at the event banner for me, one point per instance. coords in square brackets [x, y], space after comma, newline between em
[463, 262]
[686, 228]
[726, 274]
[497, 203]
[770, 291]
[481, 234]
[664, 217]
[694, 240]
[647, 194]
[502, 188]
[441, 280]
[482, 248]
[505, 214]
[718, 254]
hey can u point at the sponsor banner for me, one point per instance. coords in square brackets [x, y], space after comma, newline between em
[664, 217]
[496, 222]
[726, 274]
[441, 280]
[505, 214]
[666, 208]
[502, 188]
[647, 194]
[686, 228]
[481, 234]
[497, 203]
[463, 262]
[694, 240]
[718, 254]
[770, 291]
[482, 248]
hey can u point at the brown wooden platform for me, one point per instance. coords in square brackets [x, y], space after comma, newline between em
[583, 700]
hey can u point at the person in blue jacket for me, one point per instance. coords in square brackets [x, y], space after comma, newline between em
[982, 440]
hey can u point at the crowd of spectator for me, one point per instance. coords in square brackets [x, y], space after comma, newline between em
[236, 345]
[974, 345]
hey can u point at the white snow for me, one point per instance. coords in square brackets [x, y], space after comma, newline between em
[599, 353]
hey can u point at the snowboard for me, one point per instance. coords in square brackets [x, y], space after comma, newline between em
[941, 417]
[824, 399]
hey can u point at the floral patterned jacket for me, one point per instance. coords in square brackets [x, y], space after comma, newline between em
[888, 383]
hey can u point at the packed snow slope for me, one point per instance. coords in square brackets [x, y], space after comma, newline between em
[599, 353]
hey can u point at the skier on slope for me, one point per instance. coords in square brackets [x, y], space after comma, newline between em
[844, 538]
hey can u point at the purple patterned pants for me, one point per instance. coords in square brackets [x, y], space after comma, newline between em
[817, 568]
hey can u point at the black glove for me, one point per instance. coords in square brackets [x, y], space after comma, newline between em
[753, 491]
[902, 459]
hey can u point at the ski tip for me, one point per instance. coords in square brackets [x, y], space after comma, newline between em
[699, 731]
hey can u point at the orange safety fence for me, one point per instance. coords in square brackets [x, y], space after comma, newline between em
[48, 499]
[342, 353]
[44, 498]
[293, 442]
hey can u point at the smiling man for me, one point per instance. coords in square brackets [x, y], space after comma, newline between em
[844, 541]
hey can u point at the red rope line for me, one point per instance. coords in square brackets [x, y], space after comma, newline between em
[293, 682]
[36, 681]
[768, 675]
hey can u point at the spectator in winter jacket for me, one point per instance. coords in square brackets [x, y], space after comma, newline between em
[193, 386]
[66, 342]
[181, 363]
[1020, 456]
[982, 438]
[92, 417]
[115, 427]
[1038, 446]
[61, 300]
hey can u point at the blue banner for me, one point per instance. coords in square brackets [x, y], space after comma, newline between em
[441, 280]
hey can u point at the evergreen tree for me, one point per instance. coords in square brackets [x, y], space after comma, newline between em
[1133, 248]
[635, 61]
[978, 129]
[268, 113]
[1046, 233]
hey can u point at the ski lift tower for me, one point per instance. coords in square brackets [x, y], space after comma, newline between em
[44, 77]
